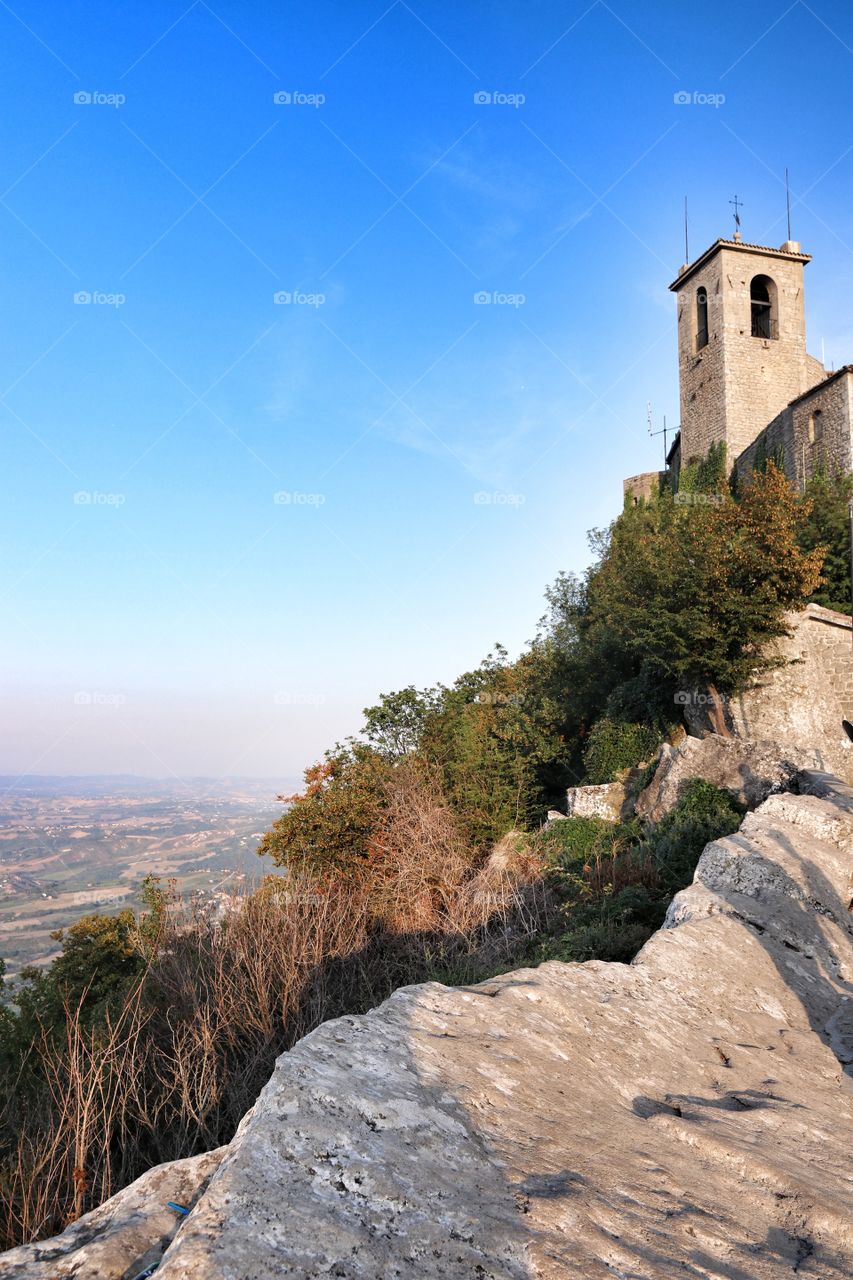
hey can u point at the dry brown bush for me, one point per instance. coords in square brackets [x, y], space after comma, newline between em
[174, 1069]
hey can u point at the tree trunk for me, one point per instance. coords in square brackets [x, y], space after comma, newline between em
[717, 712]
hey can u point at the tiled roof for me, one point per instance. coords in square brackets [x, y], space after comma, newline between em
[767, 250]
[762, 248]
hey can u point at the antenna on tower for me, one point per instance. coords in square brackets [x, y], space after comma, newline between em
[662, 432]
[788, 200]
[738, 204]
[686, 236]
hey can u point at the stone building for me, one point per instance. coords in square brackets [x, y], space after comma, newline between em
[745, 376]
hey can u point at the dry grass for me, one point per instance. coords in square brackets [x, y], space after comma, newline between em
[173, 1070]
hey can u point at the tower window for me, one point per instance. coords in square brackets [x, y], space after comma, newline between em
[816, 427]
[762, 296]
[701, 317]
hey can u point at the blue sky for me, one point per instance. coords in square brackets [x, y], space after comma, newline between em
[229, 522]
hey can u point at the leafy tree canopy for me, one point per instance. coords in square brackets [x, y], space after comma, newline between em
[826, 523]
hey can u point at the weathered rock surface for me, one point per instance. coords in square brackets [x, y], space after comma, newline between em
[688, 1115]
[749, 771]
[607, 800]
[611, 801]
[122, 1237]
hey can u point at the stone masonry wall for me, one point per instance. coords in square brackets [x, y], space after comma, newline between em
[762, 375]
[701, 373]
[777, 438]
[831, 640]
[791, 431]
[803, 703]
[834, 400]
[646, 485]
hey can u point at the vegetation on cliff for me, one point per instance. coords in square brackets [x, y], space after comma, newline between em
[415, 851]
[826, 524]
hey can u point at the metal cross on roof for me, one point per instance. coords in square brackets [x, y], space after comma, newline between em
[738, 205]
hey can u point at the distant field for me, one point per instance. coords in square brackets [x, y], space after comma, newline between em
[70, 846]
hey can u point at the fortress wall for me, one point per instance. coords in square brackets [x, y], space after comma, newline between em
[777, 436]
[834, 401]
[804, 703]
[793, 431]
[646, 485]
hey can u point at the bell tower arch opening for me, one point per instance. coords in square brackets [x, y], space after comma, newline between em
[763, 301]
[701, 317]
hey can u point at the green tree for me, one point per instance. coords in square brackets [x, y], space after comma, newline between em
[684, 595]
[826, 523]
[101, 957]
[396, 724]
[328, 827]
[498, 743]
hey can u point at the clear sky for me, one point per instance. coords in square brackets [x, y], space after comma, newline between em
[229, 522]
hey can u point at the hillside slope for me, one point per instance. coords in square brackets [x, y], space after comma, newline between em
[688, 1115]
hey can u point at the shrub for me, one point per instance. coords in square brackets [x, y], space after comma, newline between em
[569, 843]
[703, 813]
[612, 747]
[612, 928]
[616, 899]
[106, 1072]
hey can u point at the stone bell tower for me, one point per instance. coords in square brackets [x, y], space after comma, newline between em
[741, 343]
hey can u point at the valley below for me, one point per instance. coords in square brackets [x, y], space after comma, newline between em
[72, 846]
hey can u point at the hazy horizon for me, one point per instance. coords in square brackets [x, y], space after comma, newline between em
[329, 333]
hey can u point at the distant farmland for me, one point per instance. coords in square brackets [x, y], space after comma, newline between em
[70, 846]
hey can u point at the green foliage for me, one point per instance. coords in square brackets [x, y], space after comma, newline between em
[681, 594]
[497, 740]
[826, 524]
[612, 747]
[704, 812]
[705, 475]
[687, 594]
[101, 958]
[8, 1030]
[329, 826]
[613, 927]
[566, 845]
[617, 897]
[763, 456]
[395, 726]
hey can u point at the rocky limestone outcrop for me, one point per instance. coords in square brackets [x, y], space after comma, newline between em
[608, 800]
[686, 1115]
[749, 771]
[124, 1236]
